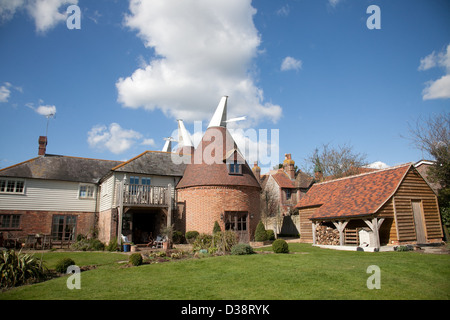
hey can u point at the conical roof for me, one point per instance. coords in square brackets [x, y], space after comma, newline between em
[211, 158]
[215, 152]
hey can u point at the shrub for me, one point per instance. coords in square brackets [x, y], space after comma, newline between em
[260, 233]
[17, 268]
[280, 246]
[63, 264]
[202, 241]
[135, 259]
[177, 237]
[223, 241]
[88, 245]
[242, 249]
[270, 235]
[113, 245]
[191, 236]
[216, 227]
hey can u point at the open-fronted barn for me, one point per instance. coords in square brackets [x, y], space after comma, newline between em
[391, 206]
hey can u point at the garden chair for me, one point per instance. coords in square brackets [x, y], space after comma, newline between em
[46, 242]
[31, 241]
[159, 242]
[151, 241]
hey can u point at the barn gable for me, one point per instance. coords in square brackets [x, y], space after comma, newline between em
[397, 206]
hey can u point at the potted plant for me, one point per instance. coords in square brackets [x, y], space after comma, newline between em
[167, 233]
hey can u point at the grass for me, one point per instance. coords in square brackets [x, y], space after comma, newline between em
[307, 273]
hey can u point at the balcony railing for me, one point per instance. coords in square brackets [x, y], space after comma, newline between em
[139, 195]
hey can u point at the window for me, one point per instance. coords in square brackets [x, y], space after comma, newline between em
[234, 168]
[146, 183]
[236, 221]
[64, 227]
[288, 194]
[12, 186]
[86, 191]
[9, 221]
[136, 182]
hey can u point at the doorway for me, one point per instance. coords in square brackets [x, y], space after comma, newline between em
[146, 223]
[419, 221]
[237, 221]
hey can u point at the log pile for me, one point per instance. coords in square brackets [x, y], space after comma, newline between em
[327, 236]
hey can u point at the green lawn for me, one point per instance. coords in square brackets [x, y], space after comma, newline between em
[309, 273]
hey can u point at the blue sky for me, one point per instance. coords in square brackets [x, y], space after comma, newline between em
[311, 69]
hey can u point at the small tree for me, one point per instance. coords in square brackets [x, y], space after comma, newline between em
[260, 233]
[216, 227]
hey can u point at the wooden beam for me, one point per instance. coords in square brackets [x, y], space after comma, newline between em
[375, 225]
[340, 226]
[314, 227]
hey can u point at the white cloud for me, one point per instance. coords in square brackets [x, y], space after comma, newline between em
[333, 3]
[377, 165]
[46, 110]
[148, 142]
[8, 8]
[4, 93]
[204, 50]
[113, 138]
[290, 63]
[437, 89]
[284, 11]
[45, 13]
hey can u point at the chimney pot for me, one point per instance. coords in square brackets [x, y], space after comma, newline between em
[42, 145]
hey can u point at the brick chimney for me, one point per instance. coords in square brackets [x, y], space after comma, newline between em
[289, 166]
[257, 171]
[42, 145]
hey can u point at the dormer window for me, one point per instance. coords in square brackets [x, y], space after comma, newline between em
[234, 168]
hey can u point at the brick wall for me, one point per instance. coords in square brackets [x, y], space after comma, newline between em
[204, 206]
[33, 222]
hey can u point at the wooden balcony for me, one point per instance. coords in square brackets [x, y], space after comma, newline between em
[146, 196]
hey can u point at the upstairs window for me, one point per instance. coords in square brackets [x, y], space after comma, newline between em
[288, 194]
[86, 191]
[12, 186]
[234, 168]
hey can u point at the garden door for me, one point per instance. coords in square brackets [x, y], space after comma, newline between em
[419, 222]
[237, 221]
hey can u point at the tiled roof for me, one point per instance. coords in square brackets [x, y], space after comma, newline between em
[64, 168]
[283, 180]
[209, 167]
[156, 163]
[354, 196]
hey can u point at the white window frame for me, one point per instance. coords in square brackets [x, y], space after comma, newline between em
[5, 184]
[86, 196]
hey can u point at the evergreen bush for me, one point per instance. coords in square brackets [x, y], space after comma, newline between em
[216, 227]
[242, 249]
[280, 246]
[191, 236]
[260, 233]
[135, 259]
[270, 235]
[63, 264]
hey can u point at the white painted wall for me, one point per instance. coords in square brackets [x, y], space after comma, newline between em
[48, 195]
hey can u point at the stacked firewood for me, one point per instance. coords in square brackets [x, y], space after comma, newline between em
[327, 236]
